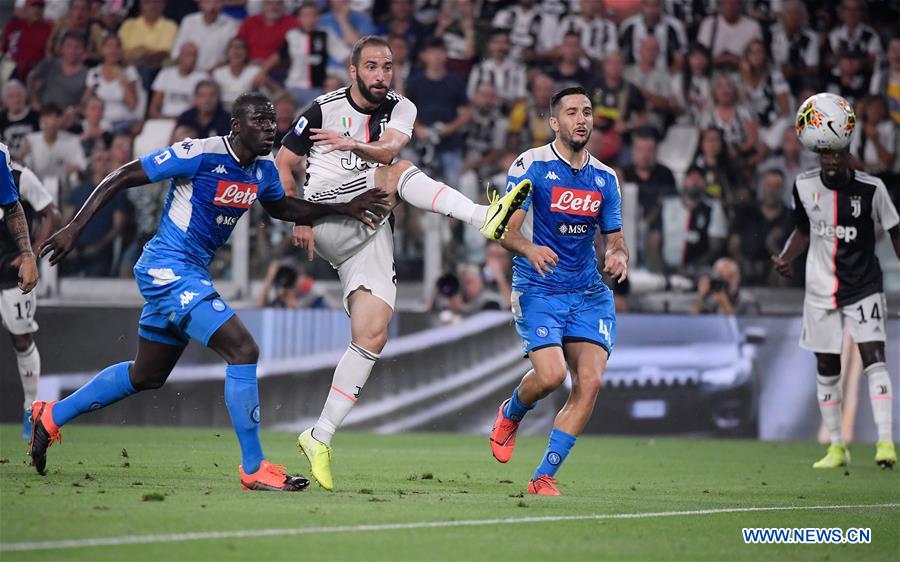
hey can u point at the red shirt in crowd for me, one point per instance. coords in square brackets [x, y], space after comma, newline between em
[264, 40]
[25, 42]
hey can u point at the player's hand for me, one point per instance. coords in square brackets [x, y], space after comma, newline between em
[303, 238]
[331, 140]
[541, 259]
[28, 273]
[782, 266]
[60, 243]
[616, 264]
[369, 207]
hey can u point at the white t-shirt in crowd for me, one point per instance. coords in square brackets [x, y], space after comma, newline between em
[232, 86]
[729, 38]
[49, 160]
[177, 90]
[112, 93]
[211, 40]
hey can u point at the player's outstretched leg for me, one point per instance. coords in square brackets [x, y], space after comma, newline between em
[233, 342]
[416, 188]
[881, 395]
[369, 318]
[29, 363]
[151, 367]
[830, 396]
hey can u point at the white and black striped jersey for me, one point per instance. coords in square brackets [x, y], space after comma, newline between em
[800, 50]
[509, 79]
[599, 36]
[669, 32]
[309, 53]
[863, 40]
[528, 29]
[841, 267]
[336, 111]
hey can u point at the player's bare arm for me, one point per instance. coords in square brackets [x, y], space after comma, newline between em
[796, 244]
[18, 229]
[382, 151]
[541, 258]
[290, 165]
[616, 262]
[368, 208]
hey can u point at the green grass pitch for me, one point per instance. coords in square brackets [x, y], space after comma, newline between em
[177, 481]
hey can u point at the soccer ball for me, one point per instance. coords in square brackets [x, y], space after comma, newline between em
[825, 123]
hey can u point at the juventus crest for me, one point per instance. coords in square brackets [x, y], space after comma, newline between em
[855, 207]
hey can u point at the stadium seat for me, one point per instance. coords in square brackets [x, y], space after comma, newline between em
[677, 149]
[155, 135]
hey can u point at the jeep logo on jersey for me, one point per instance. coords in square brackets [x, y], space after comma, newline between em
[576, 202]
[234, 194]
[845, 233]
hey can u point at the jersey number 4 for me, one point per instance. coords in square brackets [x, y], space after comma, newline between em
[875, 315]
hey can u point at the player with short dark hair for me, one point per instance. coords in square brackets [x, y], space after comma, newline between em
[564, 313]
[836, 210]
[348, 141]
[214, 182]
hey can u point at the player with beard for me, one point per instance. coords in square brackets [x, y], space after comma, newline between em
[214, 181]
[349, 140]
[836, 210]
[564, 313]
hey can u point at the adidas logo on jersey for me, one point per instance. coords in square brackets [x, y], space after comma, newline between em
[551, 175]
[220, 169]
[845, 233]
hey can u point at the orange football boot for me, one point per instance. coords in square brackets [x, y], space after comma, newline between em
[272, 478]
[503, 436]
[43, 433]
[543, 486]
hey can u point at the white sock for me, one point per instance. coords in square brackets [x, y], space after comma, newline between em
[422, 192]
[29, 372]
[880, 392]
[830, 395]
[349, 377]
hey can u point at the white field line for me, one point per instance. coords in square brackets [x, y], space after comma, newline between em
[257, 533]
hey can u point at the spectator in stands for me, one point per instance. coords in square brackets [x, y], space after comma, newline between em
[854, 36]
[874, 145]
[727, 35]
[174, 86]
[849, 79]
[443, 110]
[92, 255]
[456, 26]
[238, 74]
[285, 111]
[766, 93]
[264, 33]
[655, 182]
[463, 293]
[148, 39]
[500, 69]
[721, 292]
[791, 161]
[117, 85]
[655, 84]
[694, 228]
[532, 30]
[93, 131]
[668, 31]
[347, 23]
[402, 65]
[120, 149]
[293, 288]
[60, 80]
[78, 20]
[795, 48]
[597, 35]
[619, 108]
[210, 30]
[886, 81]
[307, 50]
[25, 37]
[206, 115]
[760, 228]
[720, 171]
[692, 87]
[740, 130]
[400, 21]
[528, 126]
[570, 69]
[17, 118]
[52, 151]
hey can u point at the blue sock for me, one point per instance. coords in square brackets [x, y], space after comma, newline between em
[242, 399]
[560, 445]
[108, 386]
[515, 409]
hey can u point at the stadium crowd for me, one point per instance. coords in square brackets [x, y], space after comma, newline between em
[694, 104]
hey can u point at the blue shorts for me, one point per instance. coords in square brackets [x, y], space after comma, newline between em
[181, 303]
[544, 320]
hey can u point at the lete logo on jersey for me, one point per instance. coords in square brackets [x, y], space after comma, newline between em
[576, 201]
[235, 194]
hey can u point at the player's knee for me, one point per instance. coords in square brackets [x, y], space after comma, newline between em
[589, 382]
[392, 173]
[552, 377]
[148, 380]
[21, 342]
[871, 353]
[373, 342]
[245, 352]
[828, 364]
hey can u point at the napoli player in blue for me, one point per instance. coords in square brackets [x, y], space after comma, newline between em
[214, 181]
[564, 313]
[12, 213]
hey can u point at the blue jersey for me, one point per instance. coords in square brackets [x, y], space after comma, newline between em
[564, 211]
[8, 193]
[209, 192]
